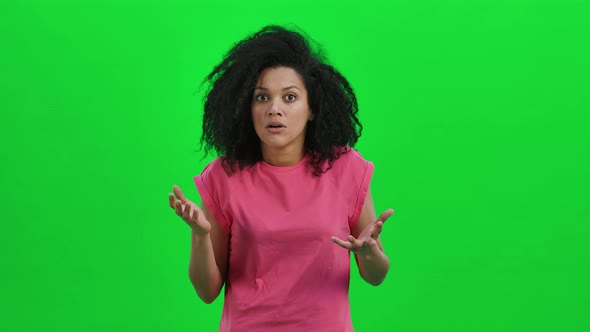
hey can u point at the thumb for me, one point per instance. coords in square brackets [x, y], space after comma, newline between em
[178, 193]
[385, 215]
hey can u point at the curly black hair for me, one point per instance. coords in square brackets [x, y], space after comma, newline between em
[227, 121]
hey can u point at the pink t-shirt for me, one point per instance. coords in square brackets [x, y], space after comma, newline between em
[284, 273]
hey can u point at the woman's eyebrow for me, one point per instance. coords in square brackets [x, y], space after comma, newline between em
[287, 88]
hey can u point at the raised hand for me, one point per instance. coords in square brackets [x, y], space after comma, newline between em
[189, 211]
[366, 244]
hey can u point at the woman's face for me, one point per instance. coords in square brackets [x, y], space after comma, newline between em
[280, 110]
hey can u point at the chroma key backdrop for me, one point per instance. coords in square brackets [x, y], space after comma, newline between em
[475, 115]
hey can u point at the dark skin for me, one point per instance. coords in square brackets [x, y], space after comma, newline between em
[280, 98]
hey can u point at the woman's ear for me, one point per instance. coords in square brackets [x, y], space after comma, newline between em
[312, 116]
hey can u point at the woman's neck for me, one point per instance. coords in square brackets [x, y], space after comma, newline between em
[282, 157]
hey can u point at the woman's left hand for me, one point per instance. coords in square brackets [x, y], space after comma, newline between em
[366, 243]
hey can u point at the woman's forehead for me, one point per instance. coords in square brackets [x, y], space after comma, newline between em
[279, 77]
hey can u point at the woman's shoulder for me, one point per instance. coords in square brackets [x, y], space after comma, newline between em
[216, 176]
[214, 168]
[348, 158]
[220, 170]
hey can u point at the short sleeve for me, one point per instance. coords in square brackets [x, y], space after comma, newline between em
[357, 177]
[213, 186]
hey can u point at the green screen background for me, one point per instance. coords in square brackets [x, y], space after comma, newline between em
[475, 116]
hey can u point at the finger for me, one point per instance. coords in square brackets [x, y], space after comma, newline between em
[376, 229]
[187, 212]
[343, 244]
[178, 208]
[386, 214]
[356, 244]
[367, 244]
[171, 200]
[179, 194]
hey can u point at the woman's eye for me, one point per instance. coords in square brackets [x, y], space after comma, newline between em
[290, 97]
[261, 98]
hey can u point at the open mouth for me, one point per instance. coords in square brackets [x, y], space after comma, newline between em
[275, 125]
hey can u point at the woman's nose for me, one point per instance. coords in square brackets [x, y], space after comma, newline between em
[275, 109]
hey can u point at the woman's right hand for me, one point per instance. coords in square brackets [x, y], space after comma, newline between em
[189, 212]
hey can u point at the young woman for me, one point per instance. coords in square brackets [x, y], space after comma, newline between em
[289, 198]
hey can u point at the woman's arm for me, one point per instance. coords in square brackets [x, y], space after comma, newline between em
[208, 260]
[373, 265]
[209, 246]
[365, 243]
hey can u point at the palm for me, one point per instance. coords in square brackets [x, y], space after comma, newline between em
[189, 211]
[366, 242]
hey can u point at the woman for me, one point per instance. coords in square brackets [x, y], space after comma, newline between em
[289, 198]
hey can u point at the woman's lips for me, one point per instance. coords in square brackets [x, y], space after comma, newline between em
[275, 129]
